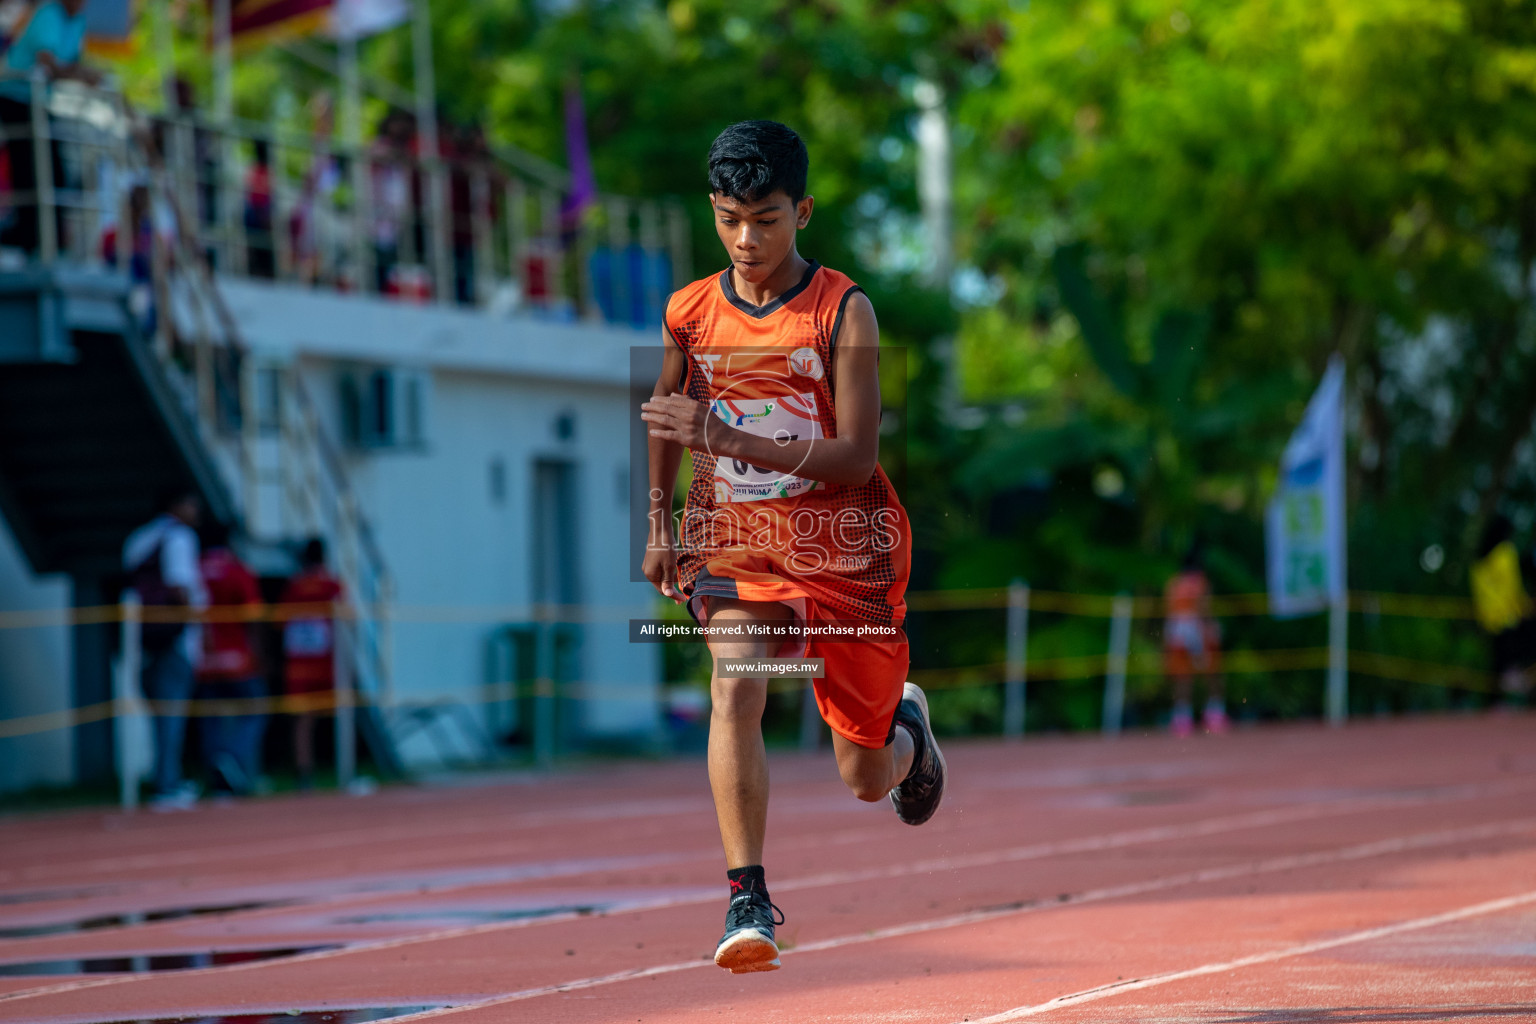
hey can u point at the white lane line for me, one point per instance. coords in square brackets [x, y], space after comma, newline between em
[373, 835]
[1038, 851]
[366, 835]
[1136, 984]
[1113, 840]
[1269, 865]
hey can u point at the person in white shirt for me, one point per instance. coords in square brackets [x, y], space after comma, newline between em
[161, 558]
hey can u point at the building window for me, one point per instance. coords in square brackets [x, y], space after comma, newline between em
[385, 407]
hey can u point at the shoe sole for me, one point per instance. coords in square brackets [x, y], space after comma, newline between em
[913, 692]
[748, 952]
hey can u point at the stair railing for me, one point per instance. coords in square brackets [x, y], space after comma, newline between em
[317, 492]
[316, 495]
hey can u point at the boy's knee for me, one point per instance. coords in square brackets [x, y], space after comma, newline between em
[869, 792]
[866, 780]
[739, 698]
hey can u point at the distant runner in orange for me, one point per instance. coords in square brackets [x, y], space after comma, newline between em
[770, 378]
[1192, 646]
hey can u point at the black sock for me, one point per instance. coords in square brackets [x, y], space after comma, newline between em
[747, 879]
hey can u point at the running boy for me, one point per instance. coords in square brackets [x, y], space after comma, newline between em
[789, 518]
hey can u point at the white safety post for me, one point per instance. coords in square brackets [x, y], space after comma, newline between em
[125, 700]
[342, 648]
[439, 255]
[553, 247]
[164, 41]
[517, 238]
[1338, 660]
[223, 63]
[42, 167]
[1119, 653]
[1014, 680]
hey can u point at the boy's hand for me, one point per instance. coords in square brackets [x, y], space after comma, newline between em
[678, 418]
[660, 567]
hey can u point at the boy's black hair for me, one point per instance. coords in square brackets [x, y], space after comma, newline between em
[751, 160]
[313, 553]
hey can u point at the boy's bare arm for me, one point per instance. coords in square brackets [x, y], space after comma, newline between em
[663, 458]
[849, 458]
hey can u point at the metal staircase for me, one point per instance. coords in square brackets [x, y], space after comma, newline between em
[99, 416]
[315, 496]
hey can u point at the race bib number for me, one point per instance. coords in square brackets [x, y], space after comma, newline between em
[790, 417]
[307, 638]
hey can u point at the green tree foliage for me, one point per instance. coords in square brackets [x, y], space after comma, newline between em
[1169, 214]
[1206, 199]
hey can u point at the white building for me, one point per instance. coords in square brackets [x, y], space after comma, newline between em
[478, 475]
[492, 460]
[495, 459]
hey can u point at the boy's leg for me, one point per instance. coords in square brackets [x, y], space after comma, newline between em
[871, 773]
[881, 732]
[738, 762]
[738, 776]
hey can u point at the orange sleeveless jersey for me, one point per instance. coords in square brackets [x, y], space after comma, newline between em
[763, 535]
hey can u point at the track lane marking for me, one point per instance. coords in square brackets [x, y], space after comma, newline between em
[365, 835]
[1269, 865]
[558, 868]
[1039, 851]
[1303, 949]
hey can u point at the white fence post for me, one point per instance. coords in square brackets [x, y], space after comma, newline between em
[1338, 660]
[1119, 652]
[1015, 679]
[43, 196]
[125, 701]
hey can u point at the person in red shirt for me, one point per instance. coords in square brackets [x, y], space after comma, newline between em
[309, 647]
[229, 668]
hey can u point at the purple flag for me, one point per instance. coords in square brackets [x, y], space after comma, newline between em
[583, 188]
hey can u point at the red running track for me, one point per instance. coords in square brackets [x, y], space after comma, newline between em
[1384, 872]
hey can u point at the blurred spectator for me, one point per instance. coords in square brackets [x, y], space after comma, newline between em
[260, 246]
[311, 226]
[471, 170]
[204, 157]
[309, 647]
[1192, 646]
[230, 670]
[52, 42]
[1504, 607]
[141, 256]
[391, 168]
[161, 558]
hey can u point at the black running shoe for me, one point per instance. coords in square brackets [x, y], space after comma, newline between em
[919, 794]
[748, 944]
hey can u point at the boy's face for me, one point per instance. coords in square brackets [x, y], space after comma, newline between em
[760, 234]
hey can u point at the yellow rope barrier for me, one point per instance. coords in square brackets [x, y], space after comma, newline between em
[1079, 667]
[1141, 663]
[1087, 605]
